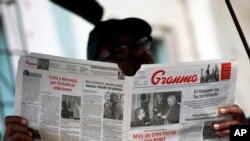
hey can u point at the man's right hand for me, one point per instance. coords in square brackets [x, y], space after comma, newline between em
[16, 129]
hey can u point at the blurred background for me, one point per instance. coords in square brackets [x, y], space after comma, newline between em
[183, 30]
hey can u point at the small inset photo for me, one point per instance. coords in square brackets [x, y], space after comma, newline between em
[208, 132]
[210, 74]
[26, 72]
[121, 76]
[155, 109]
[71, 106]
[43, 64]
[113, 108]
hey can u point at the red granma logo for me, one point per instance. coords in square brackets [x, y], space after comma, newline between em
[159, 78]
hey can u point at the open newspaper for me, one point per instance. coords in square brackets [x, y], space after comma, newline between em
[77, 100]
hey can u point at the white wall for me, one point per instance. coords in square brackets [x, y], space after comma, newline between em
[41, 29]
[231, 45]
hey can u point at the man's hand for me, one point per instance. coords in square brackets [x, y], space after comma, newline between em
[16, 129]
[158, 114]
[163, 116]
[223, 128]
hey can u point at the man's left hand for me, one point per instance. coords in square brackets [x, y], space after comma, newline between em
[223, 128]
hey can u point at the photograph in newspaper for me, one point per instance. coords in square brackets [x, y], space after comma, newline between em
[208, 131]
[43, 64]
[71, 106]
[113, 106]
[211, 74]
[155, 109]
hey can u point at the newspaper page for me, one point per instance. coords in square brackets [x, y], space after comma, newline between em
[180, 103]
[71, 100]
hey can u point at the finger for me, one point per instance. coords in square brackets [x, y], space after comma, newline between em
[224, 125]
[19, 136]
[230, 110]
[226, 132]
[13, 128]
[235, 111]
[229, 106]
[222, 133]
[219, 133]
[15, 119]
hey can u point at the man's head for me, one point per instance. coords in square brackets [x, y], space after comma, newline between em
[107, 97]
[114, 98]
[126, 42]
[171, 100]
[139, 113]
[143, 97]
[159, 98]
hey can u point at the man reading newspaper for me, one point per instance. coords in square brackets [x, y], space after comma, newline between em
[127, 43]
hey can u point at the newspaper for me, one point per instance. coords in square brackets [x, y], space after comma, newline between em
[77, 100]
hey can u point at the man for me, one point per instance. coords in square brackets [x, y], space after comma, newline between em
[107, 106]
[140, 118]
[116, 107]
[66, 107]
[145, 100]
[170, 114]
[125, 42]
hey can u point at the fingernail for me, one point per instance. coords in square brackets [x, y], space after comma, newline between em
[30, 133]
[24, 121]
[216, 126]
[222, 110]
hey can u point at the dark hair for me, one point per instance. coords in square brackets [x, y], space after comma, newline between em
[111, 28]
[143, 97]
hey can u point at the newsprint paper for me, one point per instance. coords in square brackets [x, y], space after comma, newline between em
[77, 100]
